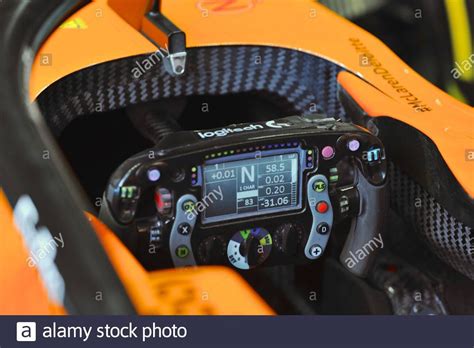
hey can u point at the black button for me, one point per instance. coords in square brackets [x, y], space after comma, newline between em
[315, 250]
[323, 228]
[178, 175]
[184, 229]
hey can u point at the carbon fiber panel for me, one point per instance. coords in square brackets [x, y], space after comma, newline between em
[450, 239]
[306, 81]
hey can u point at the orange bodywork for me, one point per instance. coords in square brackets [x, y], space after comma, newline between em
[22, 290]
[206, 290]
[189, 291]
[302, 25]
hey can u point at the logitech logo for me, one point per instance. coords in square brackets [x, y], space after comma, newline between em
[251, 127]
[226, 131]
[278, 125]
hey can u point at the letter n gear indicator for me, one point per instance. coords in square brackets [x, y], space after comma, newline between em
[249, 248]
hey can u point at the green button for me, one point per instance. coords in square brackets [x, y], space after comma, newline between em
[182, 251]
[128, 191]
[188, 206]
[319, 186]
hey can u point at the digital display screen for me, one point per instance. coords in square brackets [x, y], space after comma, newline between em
[250, 187]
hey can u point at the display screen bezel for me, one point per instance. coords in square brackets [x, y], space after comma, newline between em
[256, 155]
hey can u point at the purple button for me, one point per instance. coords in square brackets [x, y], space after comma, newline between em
[328, 152]
[353, 145]
[154, 174]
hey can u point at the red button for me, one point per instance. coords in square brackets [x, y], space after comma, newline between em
[163, 201]
[322, 207]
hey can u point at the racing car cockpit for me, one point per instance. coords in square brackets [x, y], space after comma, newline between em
[294, 168]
